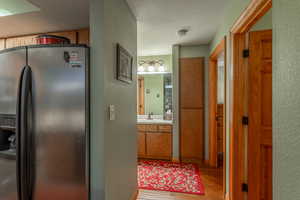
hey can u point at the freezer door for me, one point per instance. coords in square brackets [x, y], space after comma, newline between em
[11, 65]
[59, 111]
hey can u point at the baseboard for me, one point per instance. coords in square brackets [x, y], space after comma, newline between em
[134, 195]
[175, 160]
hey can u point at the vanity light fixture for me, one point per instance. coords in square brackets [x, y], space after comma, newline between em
[151, 66]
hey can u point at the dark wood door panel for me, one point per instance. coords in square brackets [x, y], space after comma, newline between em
[159, 145]
[192, 137]
[191, 82]
[260, 116]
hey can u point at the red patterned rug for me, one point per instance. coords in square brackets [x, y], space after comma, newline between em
[169, 176]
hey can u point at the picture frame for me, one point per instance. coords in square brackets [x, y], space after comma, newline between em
[124, 65]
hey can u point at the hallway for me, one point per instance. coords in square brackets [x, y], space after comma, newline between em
[212, 179]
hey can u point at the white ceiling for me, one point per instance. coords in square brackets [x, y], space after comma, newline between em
[54, 15]
[159, 21]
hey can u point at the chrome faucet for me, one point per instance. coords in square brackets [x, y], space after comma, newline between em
[150, 116]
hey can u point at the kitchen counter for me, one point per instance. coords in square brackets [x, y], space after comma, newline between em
[154, 121]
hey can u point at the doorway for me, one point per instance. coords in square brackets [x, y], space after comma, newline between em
[251, 130]
[217, 109]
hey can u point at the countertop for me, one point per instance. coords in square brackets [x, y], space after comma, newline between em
[154, 121]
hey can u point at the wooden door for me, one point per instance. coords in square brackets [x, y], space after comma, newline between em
[191, 109]
[159, 145]
[260, 116]
[141, 96]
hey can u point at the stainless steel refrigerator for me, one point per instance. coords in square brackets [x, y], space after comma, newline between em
[44, 105]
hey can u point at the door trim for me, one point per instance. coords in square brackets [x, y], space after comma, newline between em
[255, 10]
[141, 96]
[213, 78]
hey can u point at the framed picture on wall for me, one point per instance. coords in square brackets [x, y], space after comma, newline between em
[124, 64]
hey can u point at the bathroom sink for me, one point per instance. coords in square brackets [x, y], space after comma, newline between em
[154, 121]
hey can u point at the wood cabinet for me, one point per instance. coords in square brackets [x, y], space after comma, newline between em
[75, 37]
[141, 144]
[71, 35]
[159, 145]
[21, 41]
[155, 141]
[84, 36]
[220, 129]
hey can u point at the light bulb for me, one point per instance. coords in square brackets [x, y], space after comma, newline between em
[161, 68]
[151, 68]
[141, 69]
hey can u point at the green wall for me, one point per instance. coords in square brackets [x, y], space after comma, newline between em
[264, 23]
[113, 143]
[154, 100]
[286, 99]
[175, 134]
[233, 11]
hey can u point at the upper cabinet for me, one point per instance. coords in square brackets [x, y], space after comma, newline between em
[84, 36]
[75, 37]
[71, 35]
[20, 41]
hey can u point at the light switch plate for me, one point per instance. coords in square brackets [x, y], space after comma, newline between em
[112, 113]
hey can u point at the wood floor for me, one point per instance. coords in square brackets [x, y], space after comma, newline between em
[212, 179]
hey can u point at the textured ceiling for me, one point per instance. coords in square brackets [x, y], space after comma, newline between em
[159, 21]
[54, 15]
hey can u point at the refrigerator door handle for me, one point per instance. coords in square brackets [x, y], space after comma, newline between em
[24, 135]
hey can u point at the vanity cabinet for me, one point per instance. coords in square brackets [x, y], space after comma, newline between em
[155, 141]
[141, 144]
